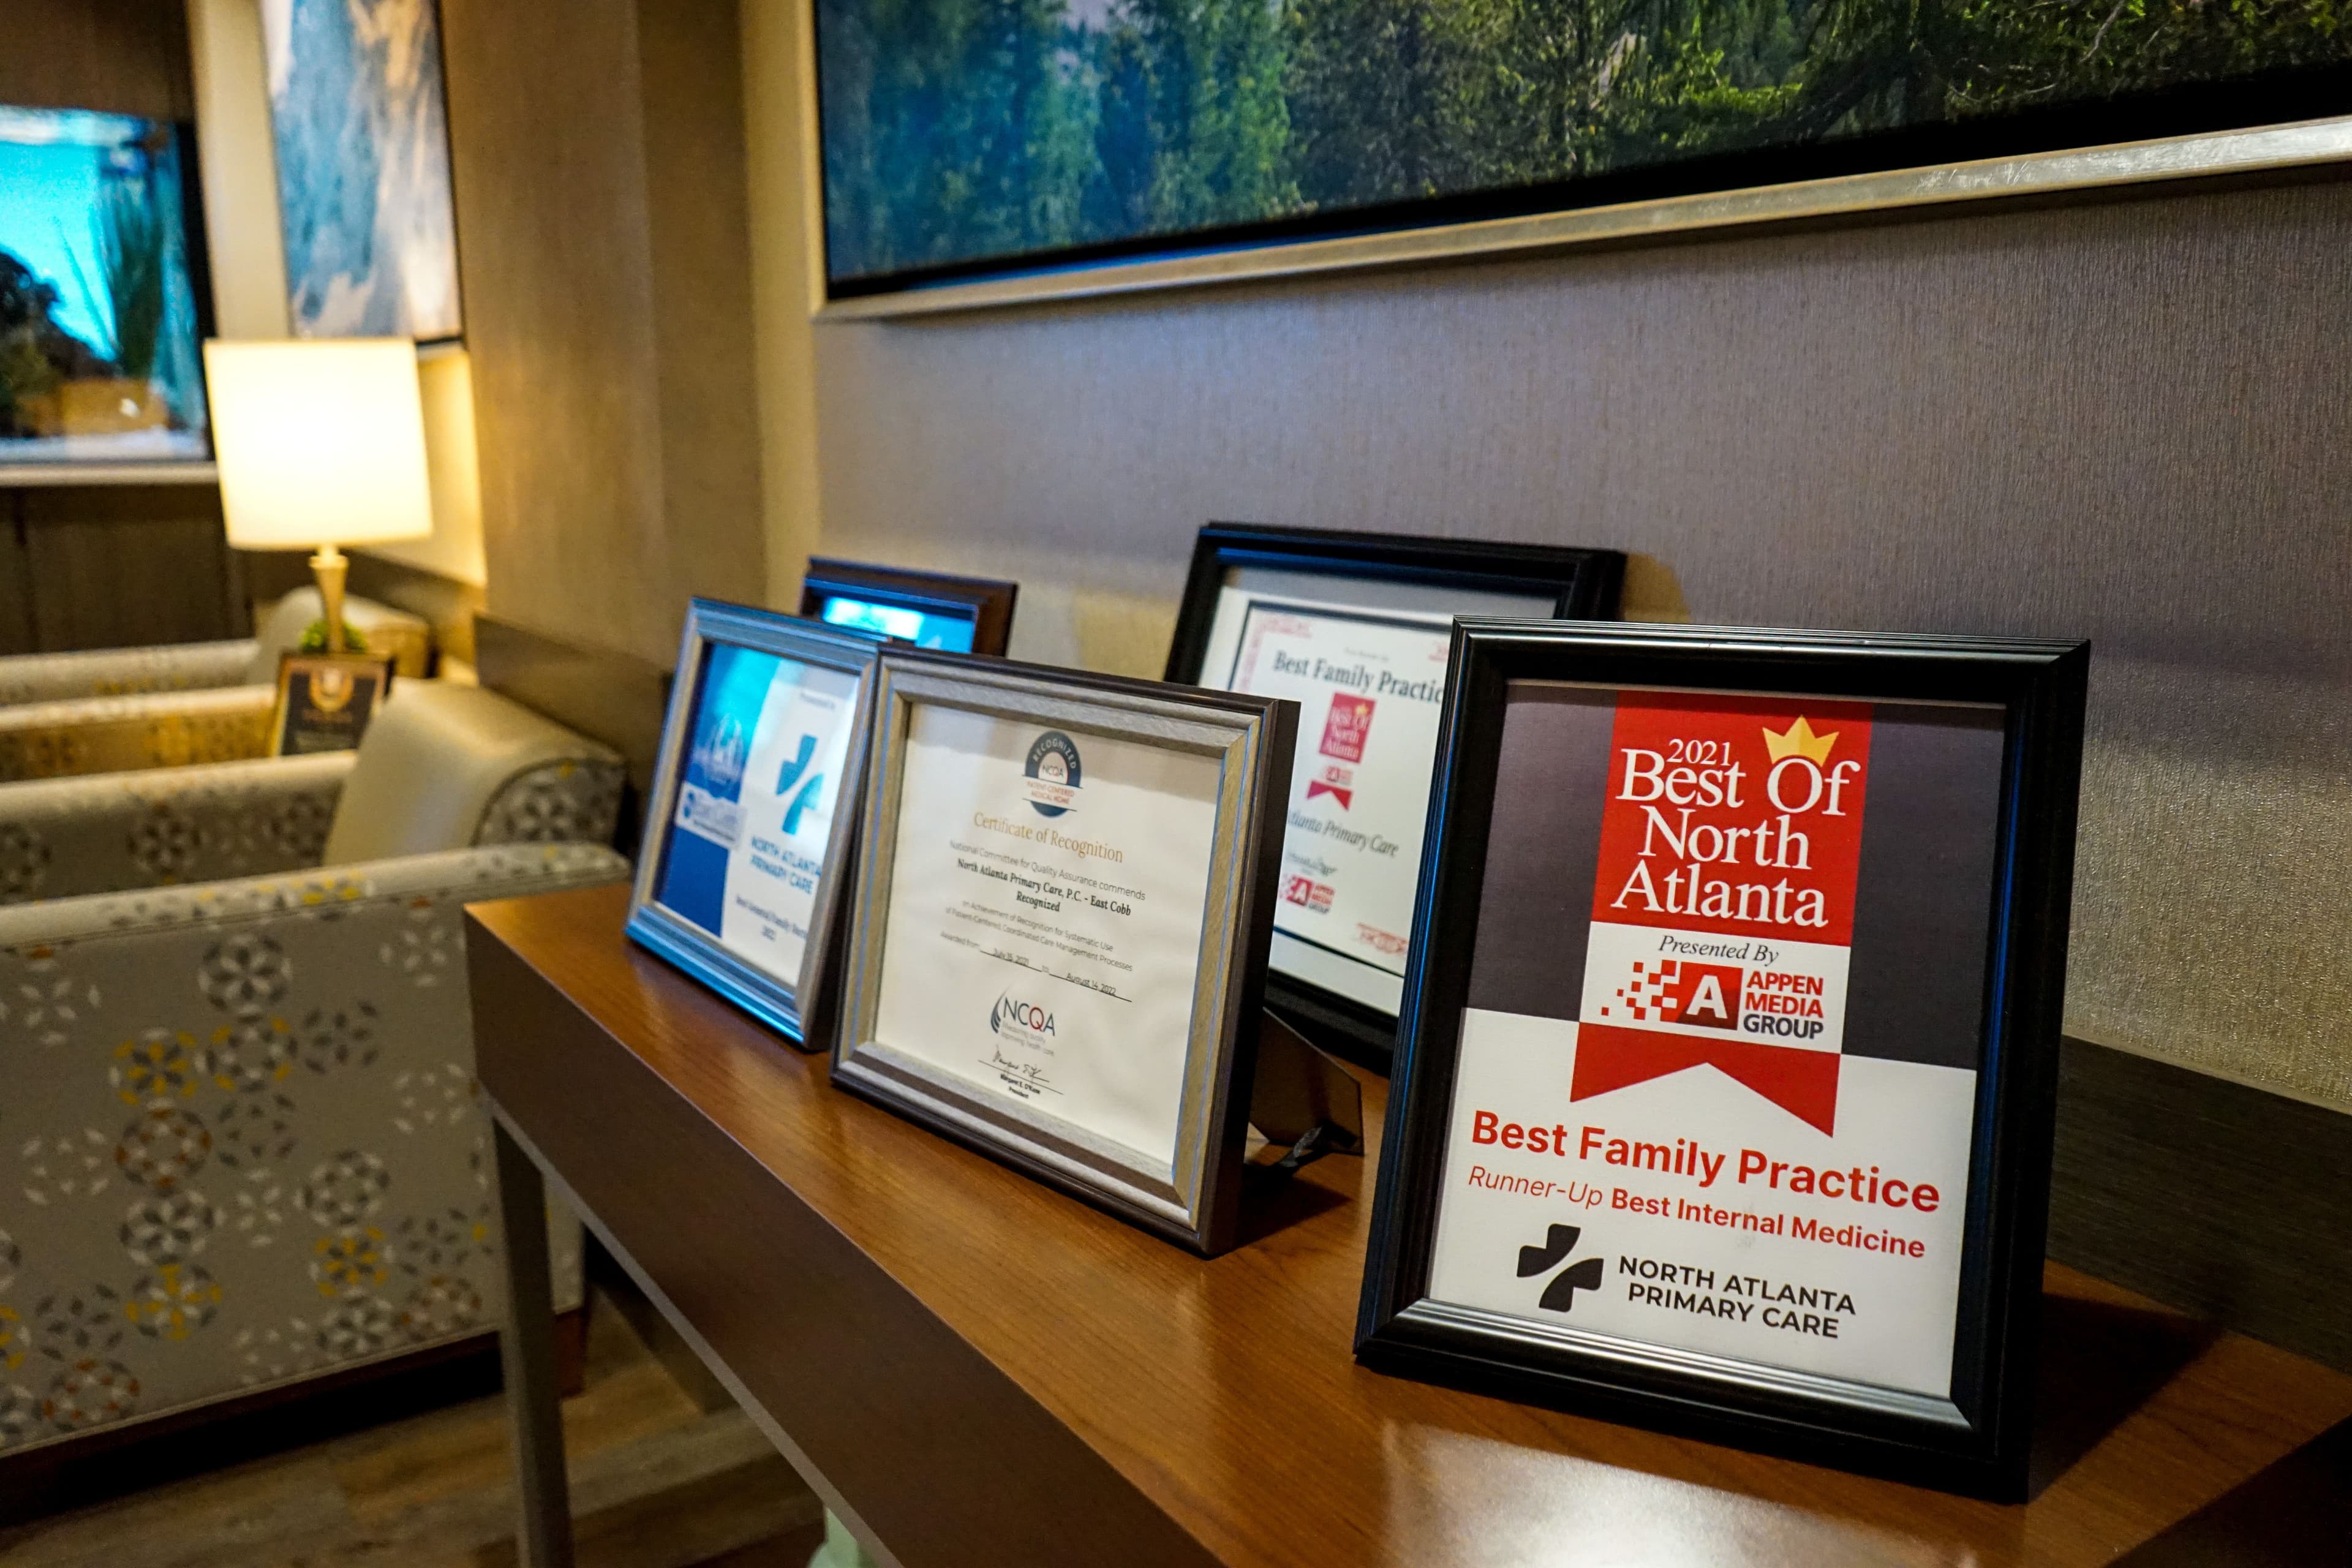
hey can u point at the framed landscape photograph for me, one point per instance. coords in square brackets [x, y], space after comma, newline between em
[1356, 629]
[1727, 1074]
[754, 806]
[973, 154]
[1058, 927]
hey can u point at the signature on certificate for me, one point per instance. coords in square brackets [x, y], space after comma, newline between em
[1027, 1079]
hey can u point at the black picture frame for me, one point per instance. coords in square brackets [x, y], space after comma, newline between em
[1195, 1202]
[986, 602]
[799, 1005]
[1582, 585]
[1977, 1446]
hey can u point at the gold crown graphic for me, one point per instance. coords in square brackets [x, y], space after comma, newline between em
[1799, 741]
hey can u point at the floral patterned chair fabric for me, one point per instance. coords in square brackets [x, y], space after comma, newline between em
[65, 837]
[202, 665]
[117, 734]
[245, 1145]
[124, 671]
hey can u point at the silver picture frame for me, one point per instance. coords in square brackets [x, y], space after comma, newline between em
[796, 1005]
[1194, 1199]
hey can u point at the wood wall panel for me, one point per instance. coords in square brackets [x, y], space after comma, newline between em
[126, 57]
[598, 159]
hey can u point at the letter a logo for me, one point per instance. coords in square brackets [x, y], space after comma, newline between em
[1706, 1004]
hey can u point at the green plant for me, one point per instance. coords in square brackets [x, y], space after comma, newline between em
[314, 640]
[132, 243]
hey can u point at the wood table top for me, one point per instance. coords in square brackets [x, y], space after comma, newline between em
[979, 1369]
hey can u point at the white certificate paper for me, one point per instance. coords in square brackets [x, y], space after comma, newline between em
[1370, 685]
[1047, 893]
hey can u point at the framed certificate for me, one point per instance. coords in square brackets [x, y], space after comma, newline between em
[1355, 628]
[928, 609]
[1723, 1097]
[753, 808]
[325, 700]
[1058, 926]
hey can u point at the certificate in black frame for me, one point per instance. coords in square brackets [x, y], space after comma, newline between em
[985, 603]
[797, 1005]
[1975, 1441]
[1578, 583]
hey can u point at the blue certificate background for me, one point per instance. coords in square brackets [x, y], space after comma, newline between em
[735, 683]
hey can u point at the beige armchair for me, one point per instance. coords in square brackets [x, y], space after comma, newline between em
[69, 714]
[245, 1143]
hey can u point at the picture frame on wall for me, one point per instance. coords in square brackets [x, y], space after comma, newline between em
[927, 609]
[1638, 123]
[1357, 627]
[1058, 925]
[1725, 1090]
[359, 126]
[753, 809]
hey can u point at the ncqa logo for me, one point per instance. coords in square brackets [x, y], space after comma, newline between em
[1053, 773]
[1009, 1014]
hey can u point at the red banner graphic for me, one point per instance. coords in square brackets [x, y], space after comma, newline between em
[1730, 843]
[1803, 1083]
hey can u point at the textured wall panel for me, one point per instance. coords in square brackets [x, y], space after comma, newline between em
[2126, 422]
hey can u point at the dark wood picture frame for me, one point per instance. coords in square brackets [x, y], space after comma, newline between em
[1583, 585]
[1979, 1445]
[1197, 1204]
[798, 1006]
[985, 601]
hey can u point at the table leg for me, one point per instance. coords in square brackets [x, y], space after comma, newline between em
[527, 1351]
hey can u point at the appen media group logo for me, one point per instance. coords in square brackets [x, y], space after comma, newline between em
[1560, 1294]
[1018, 1016]
[1053, 773]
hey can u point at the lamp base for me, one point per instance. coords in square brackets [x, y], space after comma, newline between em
[332, 568]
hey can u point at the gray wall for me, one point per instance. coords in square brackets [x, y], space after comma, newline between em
[2124, 421]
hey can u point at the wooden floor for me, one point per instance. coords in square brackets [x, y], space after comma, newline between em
[658, 1481]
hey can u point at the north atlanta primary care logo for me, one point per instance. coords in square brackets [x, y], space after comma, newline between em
[1560, 1294]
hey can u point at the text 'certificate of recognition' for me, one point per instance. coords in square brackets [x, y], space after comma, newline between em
[1047, 904]
[1369, 687]
[755, 804]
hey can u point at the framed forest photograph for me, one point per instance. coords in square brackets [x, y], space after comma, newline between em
[979, 151]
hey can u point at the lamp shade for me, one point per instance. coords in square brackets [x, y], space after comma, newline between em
[319, 442]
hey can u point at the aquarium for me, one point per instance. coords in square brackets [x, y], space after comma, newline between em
[99, 325]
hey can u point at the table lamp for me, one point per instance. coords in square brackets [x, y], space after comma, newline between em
[319, 444]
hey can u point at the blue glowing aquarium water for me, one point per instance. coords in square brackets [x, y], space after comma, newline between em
[100, 330]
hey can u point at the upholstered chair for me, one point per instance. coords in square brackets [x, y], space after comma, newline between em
[69, 714]
[243, 1140]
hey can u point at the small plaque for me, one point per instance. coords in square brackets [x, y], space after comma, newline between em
[325, 700]
[1730, 1057]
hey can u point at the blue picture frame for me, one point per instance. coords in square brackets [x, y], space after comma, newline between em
[722, 647]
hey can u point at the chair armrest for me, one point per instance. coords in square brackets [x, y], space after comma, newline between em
[398, 889]
[117, 734]
[121, 671]
[248, 1113]
[161, 827]
[572, 800]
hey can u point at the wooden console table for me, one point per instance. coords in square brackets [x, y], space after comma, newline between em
[972, 1369]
